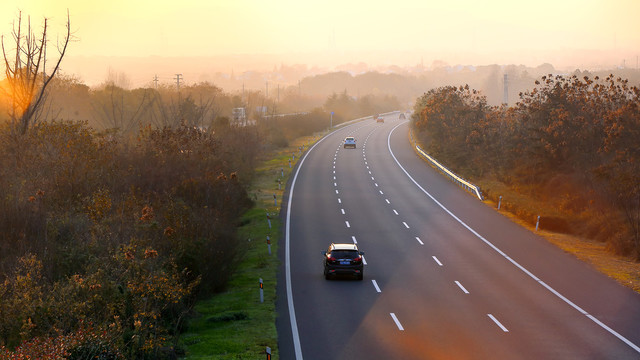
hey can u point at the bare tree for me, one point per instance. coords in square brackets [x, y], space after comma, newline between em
[26, 73]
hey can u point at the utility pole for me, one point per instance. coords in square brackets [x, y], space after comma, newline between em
[155, 81]
[177, 78]
[267, 92]
[278, 93]
[505, 99]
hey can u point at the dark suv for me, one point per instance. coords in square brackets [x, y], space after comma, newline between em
[343, 259]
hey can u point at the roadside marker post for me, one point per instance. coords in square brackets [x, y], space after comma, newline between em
[275, 201]
[499, 201]
[537, 222]
[269, 220]
[261, 292]
[268, 352]
[269, 244]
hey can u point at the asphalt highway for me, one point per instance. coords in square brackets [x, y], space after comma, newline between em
[445, 276]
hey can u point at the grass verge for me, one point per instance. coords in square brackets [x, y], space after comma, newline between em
[234, 324]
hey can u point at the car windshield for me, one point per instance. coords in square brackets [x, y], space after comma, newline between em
[344, 254]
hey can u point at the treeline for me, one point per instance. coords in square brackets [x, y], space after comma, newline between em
[106, 243]
[346, 107]
[571, 142]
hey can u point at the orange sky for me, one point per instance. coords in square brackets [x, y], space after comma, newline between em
[485, 31]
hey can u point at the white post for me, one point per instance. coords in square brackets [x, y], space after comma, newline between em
[499, 201]
[269, 244]
[537, 222]
[275, 201]
[261, 292]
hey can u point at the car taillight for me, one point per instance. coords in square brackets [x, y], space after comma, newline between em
[331, 259]
[358, 259]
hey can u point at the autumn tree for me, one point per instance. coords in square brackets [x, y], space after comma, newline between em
[26, 70]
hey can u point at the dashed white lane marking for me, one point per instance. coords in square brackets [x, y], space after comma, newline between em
[342, 210]
[461, 287]
[498, 323]
[516, 264]
[369, 172]
[337, 192]
[437, 261]
[387, 200]
[395, 319]
[354, 239]
[363, 260]
[339, 201]
[375, 284]
[376, 184]
[395, 212]
[334, 178]
[405, 224]
[372, 178]
[335, 184]
[347, 223]
[381, 193]
[420, 241]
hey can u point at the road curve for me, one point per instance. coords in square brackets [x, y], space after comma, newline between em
[446, 277]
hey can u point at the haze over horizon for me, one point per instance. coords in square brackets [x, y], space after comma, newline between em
[247, 35]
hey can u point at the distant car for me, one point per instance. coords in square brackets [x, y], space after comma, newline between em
[343, 259]
[380, 119]
[401, 117]
[349, 141]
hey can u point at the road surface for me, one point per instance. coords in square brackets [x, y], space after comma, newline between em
[446, 276]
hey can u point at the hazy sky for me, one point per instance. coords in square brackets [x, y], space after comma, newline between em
[487, 28]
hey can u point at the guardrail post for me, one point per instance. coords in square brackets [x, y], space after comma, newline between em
[289, 163]
[537, 222]
[279, 184]
[499, 201]
[275, 201]
[261, 291]
[282, 172]
[269, 220]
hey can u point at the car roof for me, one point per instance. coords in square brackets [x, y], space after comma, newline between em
[349, 138]
[344, 246]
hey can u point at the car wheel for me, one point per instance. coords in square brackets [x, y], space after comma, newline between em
[360, 276]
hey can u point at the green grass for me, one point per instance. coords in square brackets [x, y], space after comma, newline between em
[234, 324]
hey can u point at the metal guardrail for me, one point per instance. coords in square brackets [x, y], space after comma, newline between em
[450, 174]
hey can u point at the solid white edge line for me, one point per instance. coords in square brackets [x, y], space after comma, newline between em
[420, 241]
[363, 260]
[498, 323]
[553, 291]
[405, 224]
[395, 319]
[375, 284]
[461, 287]
[395, 212]
[437, 261]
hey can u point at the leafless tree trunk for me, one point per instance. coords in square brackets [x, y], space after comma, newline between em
[27, 73]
